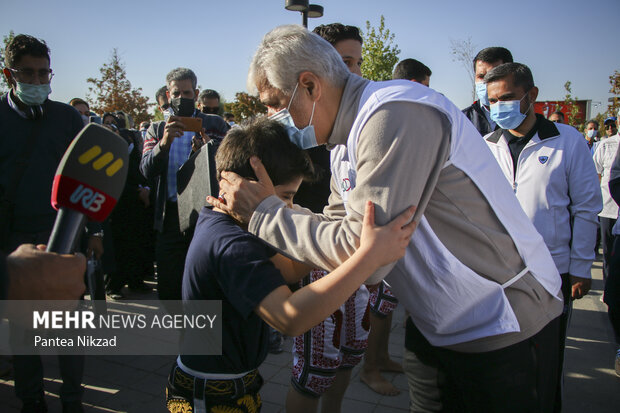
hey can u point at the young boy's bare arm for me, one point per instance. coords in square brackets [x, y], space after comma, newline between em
[291, 270]
[295, 313]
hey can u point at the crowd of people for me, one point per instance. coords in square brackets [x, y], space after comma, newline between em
[349, 198]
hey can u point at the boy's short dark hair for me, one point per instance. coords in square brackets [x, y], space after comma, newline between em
[493, 54]
[411, 69]
[208, 94]
[24, 45]
[522, 75]
[161, 93]
[337, 32]
[559, 113]
[113, 116]
[267, 139]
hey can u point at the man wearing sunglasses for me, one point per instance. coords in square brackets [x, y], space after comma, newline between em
[209, 102]
[167, 146]
[162, 99]
[34, 134]
[610, 126]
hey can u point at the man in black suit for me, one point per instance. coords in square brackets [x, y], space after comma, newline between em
[167, 146]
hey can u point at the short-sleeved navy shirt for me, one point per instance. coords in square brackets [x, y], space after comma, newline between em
[225, 262]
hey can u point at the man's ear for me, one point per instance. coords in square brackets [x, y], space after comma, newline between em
[196, 93]
[312, 83]
[533, 94]
[8, 76]
[168, 96]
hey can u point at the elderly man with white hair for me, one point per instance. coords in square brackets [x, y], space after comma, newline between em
[478, 281]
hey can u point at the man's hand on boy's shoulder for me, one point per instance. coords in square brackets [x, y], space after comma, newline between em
[239, 197]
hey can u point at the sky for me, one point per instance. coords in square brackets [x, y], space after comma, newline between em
[558, 40]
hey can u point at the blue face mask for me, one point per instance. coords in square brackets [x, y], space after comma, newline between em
[32, 95]
[508, 114]
[304, 138]
[481, 92]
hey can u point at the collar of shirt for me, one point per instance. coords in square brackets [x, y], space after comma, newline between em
[487, 114]
[347, 111]
[36, 111]
[14, 106]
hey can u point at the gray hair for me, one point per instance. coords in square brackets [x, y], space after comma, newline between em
[522, 75]
[594, 121]
[181, 73]
[286, 51]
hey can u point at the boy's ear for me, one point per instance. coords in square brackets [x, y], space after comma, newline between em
[312, 83]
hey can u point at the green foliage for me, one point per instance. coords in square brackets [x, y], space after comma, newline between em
[113, 92]
[157, 115]
[379, 55]
[4, 86]
[245, 106]
[614, 105]
[572, 110]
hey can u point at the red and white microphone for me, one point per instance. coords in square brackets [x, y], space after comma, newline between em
[88, 182]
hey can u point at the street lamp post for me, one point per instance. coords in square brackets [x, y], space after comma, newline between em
[306, 10]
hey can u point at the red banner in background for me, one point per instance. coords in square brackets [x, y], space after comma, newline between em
[547, 107]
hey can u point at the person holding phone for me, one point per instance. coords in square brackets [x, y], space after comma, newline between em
[167, 146]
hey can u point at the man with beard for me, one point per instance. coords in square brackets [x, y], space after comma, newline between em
[167, 147]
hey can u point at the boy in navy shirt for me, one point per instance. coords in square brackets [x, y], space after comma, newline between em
[227, 263]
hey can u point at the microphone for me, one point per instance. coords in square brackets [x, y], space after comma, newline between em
[88, 182]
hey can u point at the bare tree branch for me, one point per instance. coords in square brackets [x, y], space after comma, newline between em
[464, 51]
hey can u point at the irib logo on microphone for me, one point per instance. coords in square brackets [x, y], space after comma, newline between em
[91, 200]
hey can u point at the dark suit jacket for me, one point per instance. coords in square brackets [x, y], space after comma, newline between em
[154, 163]
[476, 115]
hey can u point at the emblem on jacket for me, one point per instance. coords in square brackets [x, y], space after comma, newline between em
[346, 185]
[543, 159]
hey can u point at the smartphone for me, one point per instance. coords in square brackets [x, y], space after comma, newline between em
[95, 119]
[191, 124]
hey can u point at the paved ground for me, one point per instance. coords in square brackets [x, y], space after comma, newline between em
[135, 384]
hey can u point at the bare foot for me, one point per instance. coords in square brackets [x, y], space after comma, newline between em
[391, 365]
[378, 383]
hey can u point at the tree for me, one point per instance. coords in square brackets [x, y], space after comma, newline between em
[113, 92]
[614, 104]
[464, 51]
[245, 106]
[572, 110]
[4, 86]
[157, 115]
[379, 55]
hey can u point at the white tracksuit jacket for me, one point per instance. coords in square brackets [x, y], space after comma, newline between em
[557, 186]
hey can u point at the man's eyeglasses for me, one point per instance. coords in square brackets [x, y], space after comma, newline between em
[29, 75]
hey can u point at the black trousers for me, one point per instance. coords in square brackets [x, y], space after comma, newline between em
[518, 378]
[28, 370]
[563, 331]
[607, 241]
[170, 251]
[131, 243]
[612, 289]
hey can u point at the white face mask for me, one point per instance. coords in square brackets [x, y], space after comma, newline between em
[591, 133]
[304, 138]
[32, 95]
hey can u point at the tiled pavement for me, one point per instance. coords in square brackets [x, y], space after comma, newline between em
[135, 384]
